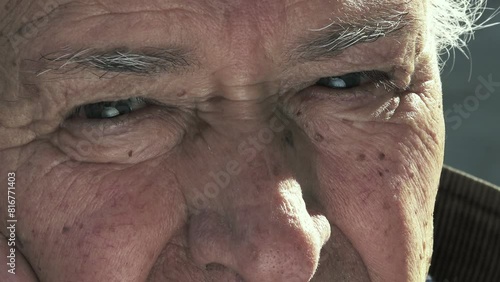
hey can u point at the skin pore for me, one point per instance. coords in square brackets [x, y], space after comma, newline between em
[239, 168]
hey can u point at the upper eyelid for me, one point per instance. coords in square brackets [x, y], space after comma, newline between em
[381, 77]
[372, 75]
[386, 79]
[378, 77]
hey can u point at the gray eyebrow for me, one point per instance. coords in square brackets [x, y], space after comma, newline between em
[323, 43]
[145, 61]
[329, 41]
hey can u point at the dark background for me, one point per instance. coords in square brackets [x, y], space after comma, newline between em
[473, 136]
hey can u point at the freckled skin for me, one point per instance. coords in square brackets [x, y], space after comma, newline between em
[247, 176]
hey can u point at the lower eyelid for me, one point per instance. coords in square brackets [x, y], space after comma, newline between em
[115, 125]
[356, 96]
[113, 140]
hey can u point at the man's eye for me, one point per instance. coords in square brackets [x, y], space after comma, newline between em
[356, 79]
[106, 110]
[342, 82]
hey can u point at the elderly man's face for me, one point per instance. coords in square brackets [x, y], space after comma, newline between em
[273, 140]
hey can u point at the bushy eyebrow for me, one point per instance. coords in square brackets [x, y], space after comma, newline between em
[318, 44]
[145, 61]
[329, 41]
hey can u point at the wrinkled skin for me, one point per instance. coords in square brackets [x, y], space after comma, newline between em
[315, 184]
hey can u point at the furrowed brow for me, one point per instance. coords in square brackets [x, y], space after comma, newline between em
[146, 61]
[329, 41]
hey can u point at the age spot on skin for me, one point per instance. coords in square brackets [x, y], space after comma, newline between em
[381, 156]
[361, 157]
[130, 153]
[65, 229]
[288, 138]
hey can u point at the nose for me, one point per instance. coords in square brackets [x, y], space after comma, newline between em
[267, 234]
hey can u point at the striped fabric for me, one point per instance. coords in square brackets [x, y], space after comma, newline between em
[467, 230]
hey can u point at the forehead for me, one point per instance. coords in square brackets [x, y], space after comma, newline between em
[254, 8]
[177, 20]
[223, 34]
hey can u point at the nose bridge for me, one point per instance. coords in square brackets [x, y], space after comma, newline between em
[247, 56]
[246, 114]
[256, 221]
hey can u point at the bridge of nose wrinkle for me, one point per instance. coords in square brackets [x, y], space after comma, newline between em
[256, 223]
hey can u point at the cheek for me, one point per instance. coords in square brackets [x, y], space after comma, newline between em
[95, 209]
[397, 145]
[375, 166]
[378, 177]
[55, 183]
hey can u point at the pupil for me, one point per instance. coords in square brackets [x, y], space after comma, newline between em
[94, 111]
[123, 107]
[352, 79]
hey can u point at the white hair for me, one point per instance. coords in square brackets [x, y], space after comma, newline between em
[453, 23]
